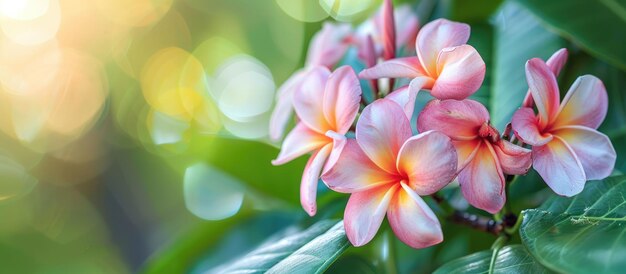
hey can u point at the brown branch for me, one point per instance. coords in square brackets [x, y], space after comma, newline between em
[483, 223]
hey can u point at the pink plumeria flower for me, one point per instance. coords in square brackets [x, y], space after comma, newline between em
[567, 149]
[389, 30]
[327, 47]
[449, 67]
[326, 104]
[484, 158]
[386, 170]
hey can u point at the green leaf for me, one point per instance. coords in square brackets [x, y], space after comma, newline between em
[518, 38]
[471, 11]
[309, 251]
[597, 26]
[509, 259]
[583, 234]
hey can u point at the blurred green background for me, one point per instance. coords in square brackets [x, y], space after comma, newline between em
[134, 133]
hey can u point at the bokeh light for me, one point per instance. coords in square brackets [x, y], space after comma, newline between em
[348, 10]
[210, 193]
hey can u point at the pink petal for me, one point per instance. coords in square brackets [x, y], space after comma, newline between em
[329, 45]
[482, 181]
[585, 104]
[301, 140]
[342, 97]
[526, 127]
[437, 35]
[353, 171]
[310, 176]
[466, 151]
[559, 167]
[407, 26]
[460, 71]
[282, 110]
[556, 62]
[388, 31]
[339, 142]
[365, 212]
[412, 220]
[308, 100]
[405, 96]
[407, 67]
[381, 131]
[592, 148]
[460, 120]
[544, 89]
[514, 160]
[429, 161]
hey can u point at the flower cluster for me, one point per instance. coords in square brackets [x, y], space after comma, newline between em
[386, 168]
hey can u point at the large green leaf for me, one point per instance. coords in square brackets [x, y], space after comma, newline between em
[583, 234]
[518, 38]
[598, 26]
[469, 11]
[509, 259]
[309, 251]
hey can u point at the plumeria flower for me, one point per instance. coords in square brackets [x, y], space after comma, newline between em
[389, 30]
[567, 149]
[449, 67]
[327, 47]
[386, 170]
[326, 105]
[484, 158]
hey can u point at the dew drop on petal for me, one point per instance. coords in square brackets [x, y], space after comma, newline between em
[210, 193]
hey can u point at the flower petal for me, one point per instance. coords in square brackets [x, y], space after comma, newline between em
[388, 31]
[406, 96]
[310, 177]
[460, 71]
[342, 97]
[339, 142]
[284, 107]
[353, 171]
[466, 151]
[429, 161]
[585, 104]
[544, 89]
[556, 62]
[365, 212]
[412, 220]
[514, 160]
[407, 67]
[437, 35]
[407, 26]
[592, 148]
[301, 140]
[482, 181]
[559, 167]
[381, 131]
[328, 45]
[525, 126]
[308, 100]
[460, 120]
